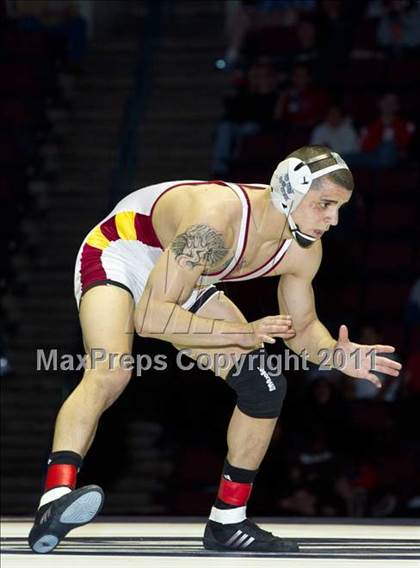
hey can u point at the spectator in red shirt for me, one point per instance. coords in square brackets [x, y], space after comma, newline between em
[303, 104]
[385, 141]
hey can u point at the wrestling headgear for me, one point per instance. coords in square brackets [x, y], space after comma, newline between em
[291, 181]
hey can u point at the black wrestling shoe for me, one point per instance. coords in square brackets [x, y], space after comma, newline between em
[55, 519]
[244, 537]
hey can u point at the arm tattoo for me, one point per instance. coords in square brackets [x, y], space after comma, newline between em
[199, 245]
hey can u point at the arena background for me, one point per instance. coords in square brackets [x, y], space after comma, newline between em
[99, 98]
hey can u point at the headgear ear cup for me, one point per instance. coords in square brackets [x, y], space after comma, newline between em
[300, 177]
[290, 182]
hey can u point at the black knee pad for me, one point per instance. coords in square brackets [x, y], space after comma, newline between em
[260, 392]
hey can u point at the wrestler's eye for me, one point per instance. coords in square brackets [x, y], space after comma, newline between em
[324, 205]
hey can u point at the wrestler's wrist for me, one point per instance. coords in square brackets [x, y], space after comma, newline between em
[233, 333]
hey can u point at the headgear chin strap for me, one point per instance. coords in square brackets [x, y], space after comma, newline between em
[291, 181]
[304, 240]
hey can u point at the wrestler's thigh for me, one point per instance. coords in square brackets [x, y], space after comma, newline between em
[106, 318]
[219, 307]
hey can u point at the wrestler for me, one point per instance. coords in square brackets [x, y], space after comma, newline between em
[150, 267]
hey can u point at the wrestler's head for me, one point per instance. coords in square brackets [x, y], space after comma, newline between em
[309, 187]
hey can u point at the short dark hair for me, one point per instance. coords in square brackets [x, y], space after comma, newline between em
[343, 178]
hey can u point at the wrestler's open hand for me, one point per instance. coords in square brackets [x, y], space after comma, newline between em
[360, 360]
[265, 330]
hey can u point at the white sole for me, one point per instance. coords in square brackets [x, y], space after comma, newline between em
[83, 509]
[45, 544]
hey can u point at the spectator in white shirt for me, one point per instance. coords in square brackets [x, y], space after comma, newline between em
[337, 132]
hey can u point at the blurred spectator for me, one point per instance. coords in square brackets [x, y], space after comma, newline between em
[337, 132]
[398, 26]
[303, 103]
[249, 110]
[385, 141]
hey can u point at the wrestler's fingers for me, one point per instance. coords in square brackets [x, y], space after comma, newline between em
[384, 361]
[285, 335]
[386, 370]
[277, 328]
[383, 348]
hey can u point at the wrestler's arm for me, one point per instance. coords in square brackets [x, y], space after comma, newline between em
[296, 297]
[197, 247]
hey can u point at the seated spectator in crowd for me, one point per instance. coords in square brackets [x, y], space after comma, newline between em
[337, 132]
[385, 141]
[302, 104]
[398, 27]
[248, 111]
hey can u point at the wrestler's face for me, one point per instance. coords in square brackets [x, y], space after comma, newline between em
[319, 209]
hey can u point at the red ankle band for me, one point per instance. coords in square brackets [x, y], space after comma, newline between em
[234, 493]
[61, 474]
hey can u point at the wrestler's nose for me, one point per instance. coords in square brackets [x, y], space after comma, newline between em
[332, 218]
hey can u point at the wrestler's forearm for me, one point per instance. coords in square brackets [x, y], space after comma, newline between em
[314, 342]
[169, 322]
